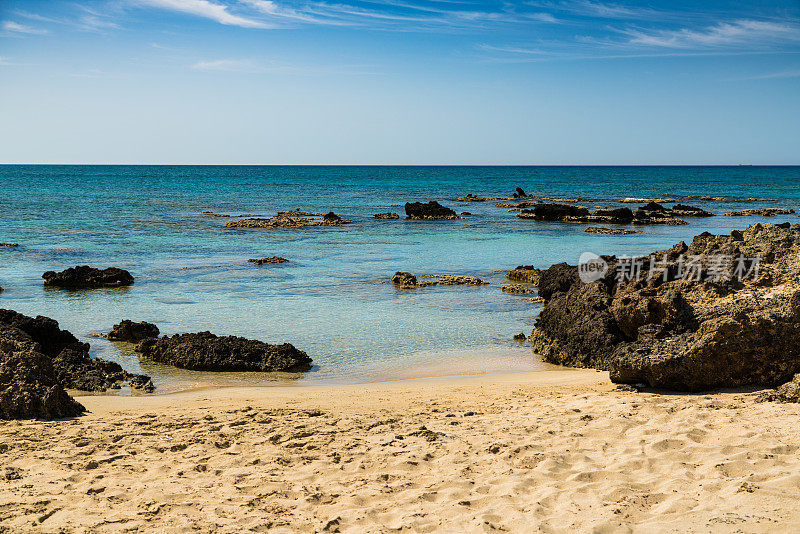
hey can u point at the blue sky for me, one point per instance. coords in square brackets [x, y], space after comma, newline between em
[400, 82]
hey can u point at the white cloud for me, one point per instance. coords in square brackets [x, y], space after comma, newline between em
[14, 27]
[740, 32]
[795, 73]
[206, 9]
[227, 65]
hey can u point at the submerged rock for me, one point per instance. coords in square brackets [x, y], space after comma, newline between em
[610, 231]
[85, 277]
[408, 280]
[283, 220]
[9, 245]
[524, 273]
[132, 332]
[430, 211]
[517, 289]
[72, 365]
[683, 334]
[205, 351]
[28, 385]
[271, 259]
[471, 198]
[763, 212]
[386, 216]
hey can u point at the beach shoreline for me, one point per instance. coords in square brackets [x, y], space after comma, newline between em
[544, 450]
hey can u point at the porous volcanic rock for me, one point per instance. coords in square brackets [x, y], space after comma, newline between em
[85, 277]
[132, 332]
[675, 333]
[9, 245]
[610, 231]
[386, 216]
[429, 211]
[517, 289]
[73, 367]
[271, 259]
[408, 280]
[28, 385]
[283, 220]
[205, 351]
[788, 392]
[763, 212]
[651, 213]
[524, 273]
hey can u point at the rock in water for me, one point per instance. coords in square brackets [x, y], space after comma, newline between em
[132, 332]
[72, 365]
[763, 212]
[408, 280]
[386, 216]
[206, 352]
[524, 273]
[404, 279]
[28, 386]
[85, 277]
[430, 211]
[683, 334]
[271, 259]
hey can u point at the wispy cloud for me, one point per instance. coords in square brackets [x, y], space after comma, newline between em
[10, 26]
[792, 73]
[722, 34]
[4, 62]
[587, 8]
[207, 9]
[228, 65]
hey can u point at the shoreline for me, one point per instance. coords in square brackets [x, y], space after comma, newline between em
[556, 451]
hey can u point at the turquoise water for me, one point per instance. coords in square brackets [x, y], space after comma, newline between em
[333, 299]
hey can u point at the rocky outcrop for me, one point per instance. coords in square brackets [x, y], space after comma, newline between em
[520, 193]
[28, 385]
[788, 392]
[763, 212]
[408, 280]
[517, 289]
[132, 332]
[72, 365]
[429, 211]
[85, 277]
[651, 213]
[386, 216]
[290, 220]
[610, 231]
[682, 210]
[205, 351]
[9, 245]
[471, 198]
[673, 332]
[524, 273]
[271, 259]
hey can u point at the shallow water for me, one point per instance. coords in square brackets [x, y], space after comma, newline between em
[333, 299]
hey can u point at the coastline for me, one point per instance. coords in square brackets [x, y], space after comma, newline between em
[548, 450]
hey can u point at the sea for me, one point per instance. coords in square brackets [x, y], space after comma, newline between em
[333, 299]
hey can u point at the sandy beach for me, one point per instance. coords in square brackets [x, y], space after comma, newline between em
[553, 451]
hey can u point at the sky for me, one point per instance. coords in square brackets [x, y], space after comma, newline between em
[535, 82]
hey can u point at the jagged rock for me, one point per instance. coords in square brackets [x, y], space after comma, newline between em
[649, 214]
[404, 279]
[72, 365]
[763, 212]
[298, 213]
[681, 210]
[524, 273]
[430, 211]
[408, 280]
[85, 277]
[283, 220]
[683, 334]
[471, 198]
[555, 213]
[520, 337]
[517, 289]
[204, 351]
[386, 216]
[9, 245]
[132, 332]
[788, 392]
[610, 231]
[271, 259]
[28, 385]
[520, 193]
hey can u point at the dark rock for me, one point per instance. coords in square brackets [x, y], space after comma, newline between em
[290, 219]
[517, 289]
[610, 231]
[682, 334]
[788, 392]
[557, 212]
[763, 212]
[615, 216]
[132, 332]
[204, 351]
[471, 198]
[520, 337]
[9, 245]
[430, 211]
[404, 279]
[682, 210]
[271, 259]
[85, 277]
[524, 273]
[386, 216]
[28, 385]
[520, 193]
[72, 365]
